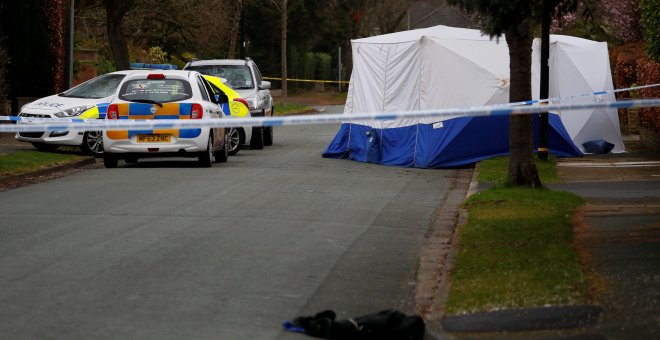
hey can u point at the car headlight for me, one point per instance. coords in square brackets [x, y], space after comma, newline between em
[73, 112]
[252, 102]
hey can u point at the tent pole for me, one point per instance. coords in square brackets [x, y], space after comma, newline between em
[545, 75]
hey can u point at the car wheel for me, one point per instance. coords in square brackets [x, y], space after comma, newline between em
[233, 141]
[110, 160]
[93, 143]
[206, 157]
[222, 155]
[257, 141]
[268, 135]
[45, 147]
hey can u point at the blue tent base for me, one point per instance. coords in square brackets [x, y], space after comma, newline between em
[458, 143]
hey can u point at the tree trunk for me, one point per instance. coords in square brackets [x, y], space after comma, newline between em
[522, 169]
[114, 12]
[235, 28]
[285, 18]
[54, 12]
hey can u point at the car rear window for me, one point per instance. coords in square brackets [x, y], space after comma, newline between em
[238, 77]
[158, 90]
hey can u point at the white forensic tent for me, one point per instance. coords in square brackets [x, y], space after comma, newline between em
[435, 68]
[580, 66]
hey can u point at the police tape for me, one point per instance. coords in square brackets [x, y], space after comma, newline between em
[580, 95]
[309, 80]
[442, 114]
[527, 102]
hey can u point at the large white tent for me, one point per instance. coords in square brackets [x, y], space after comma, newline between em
[446, 67]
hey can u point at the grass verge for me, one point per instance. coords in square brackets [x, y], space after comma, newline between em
[495, 169]
[22, 162]
[516, 249]
[282, 109]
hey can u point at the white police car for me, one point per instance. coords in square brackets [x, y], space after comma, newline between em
[88, 100]
[166, 94]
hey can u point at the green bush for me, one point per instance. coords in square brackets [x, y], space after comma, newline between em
[310, 65]
[296, 64]
[651, 22]
[323, 66]
[104, 65]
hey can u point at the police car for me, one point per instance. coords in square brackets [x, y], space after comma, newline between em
[245, 78]
[238, 108]
[88, 100]
[167, 94]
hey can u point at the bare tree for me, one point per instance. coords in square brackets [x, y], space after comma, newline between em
[202, 25]
[235, 28]
[382, 16]
[516, 19]
[281, 6]
[114, 12]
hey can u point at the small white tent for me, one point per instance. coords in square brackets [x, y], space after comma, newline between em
[580, 66]
[445, 67]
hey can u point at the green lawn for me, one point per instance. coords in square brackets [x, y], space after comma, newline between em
[516, 250]
[21, 162]
[282, 109]
[494, 169]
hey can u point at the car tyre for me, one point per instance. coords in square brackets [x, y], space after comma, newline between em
[93, 143]
[233, 141]
[110, 161]
[268, 135]
[257, 141]
[206, 157]
[222, 155]
[45, 147]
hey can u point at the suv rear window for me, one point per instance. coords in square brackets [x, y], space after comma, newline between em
[238, 77]
[158, 90]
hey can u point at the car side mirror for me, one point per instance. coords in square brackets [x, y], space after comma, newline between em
[221, 98]
[265, 85]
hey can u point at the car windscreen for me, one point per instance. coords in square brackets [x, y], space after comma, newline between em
[157, 90]
[238, 77]
[99, 87]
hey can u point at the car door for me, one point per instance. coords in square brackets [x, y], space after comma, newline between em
[212, 108]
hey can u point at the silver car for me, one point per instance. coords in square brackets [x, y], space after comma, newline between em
[244, 77]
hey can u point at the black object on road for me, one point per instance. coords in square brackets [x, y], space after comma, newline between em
[384, 325]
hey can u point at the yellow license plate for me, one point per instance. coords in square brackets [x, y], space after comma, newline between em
[153, 138]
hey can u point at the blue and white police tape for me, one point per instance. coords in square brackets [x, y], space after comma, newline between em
[527, 102]
[39, 119]
[580, 95]
[441, 114]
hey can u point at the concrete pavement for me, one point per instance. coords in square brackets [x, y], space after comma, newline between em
[619, 232]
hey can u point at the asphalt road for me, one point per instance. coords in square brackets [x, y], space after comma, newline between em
[164, 249]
